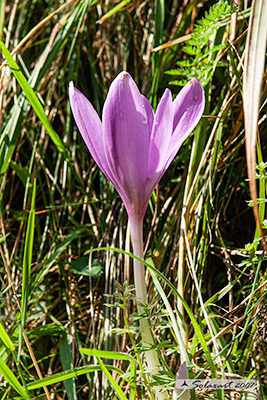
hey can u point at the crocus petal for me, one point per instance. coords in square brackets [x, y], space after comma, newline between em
[127, 119]
[161, 134]
[89, 125]
[160, 141]
[188, 109]
[149, 113]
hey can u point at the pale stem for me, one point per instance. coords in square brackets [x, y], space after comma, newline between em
[141, 297]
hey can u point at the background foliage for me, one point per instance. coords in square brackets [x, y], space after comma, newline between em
[58, 303]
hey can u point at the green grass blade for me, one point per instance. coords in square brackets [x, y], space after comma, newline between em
[2, 16]
[113, 355]
[256, 280]
[62, 39]
[110, 355]
[33, 99]
[26, 268]
[4, 237]
[65, 351]
[10, 133]
[113, 11]
[27, 261]
[5, 338]
[221, 293]
[160, 15]
[12, 380]
[68, 374]
[111, 380]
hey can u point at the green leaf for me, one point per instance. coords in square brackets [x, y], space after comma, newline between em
[3, 237]
[33, 99]
[81, 266]
[46, 330]
[191, 50]
[22, 172]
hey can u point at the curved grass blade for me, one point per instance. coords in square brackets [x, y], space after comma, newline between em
[26, 268]
[113, 355]
[114, 10]
[68, 374]
[5, 338]
[221, 293]
[111, 380]
[4, 237]
[12, 380]
[10, 133]
[33, 99]
[110, 355]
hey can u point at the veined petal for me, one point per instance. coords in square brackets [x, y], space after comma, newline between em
[160, 141]
[127, 121]
[149, 112]
[188, 109]
[90, 127]
[161, 134]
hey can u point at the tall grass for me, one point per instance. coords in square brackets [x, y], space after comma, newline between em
[68, 325]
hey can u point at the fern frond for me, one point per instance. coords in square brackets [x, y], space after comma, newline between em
[202, 53]
[185, 63]
[191, 50]
[180, 82]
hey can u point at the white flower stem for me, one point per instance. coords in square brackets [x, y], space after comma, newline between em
[141, 297]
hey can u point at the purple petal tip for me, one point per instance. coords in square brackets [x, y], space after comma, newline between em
[196, 82]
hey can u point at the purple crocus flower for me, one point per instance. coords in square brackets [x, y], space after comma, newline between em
[132, 145]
